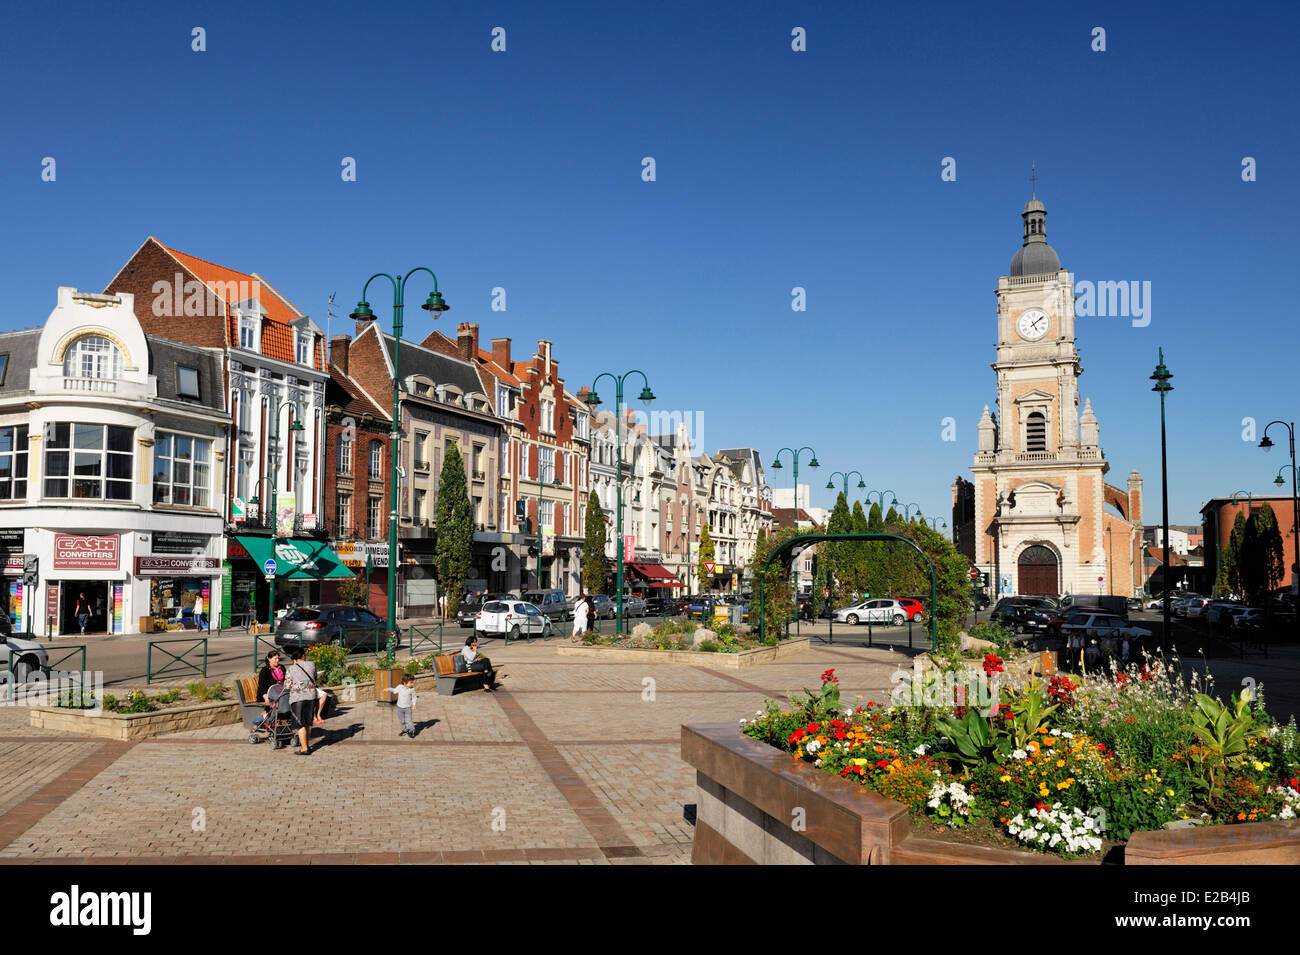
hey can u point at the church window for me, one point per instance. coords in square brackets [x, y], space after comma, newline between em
[1036, 432]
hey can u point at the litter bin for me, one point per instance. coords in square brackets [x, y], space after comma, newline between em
[737, 615]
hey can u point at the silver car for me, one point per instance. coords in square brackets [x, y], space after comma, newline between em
[1107, 628]
[27, 655]
[877, 610]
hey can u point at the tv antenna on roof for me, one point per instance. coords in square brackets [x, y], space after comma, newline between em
[329, 314]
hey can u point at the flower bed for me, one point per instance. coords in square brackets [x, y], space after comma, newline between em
[675, 635]
[736, 660]
[1063, 766]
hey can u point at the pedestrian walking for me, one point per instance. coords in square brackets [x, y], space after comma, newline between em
[82, 612]
[198, 613]
[406, 700]
[581, 613]
[300, 681]
[442, 606]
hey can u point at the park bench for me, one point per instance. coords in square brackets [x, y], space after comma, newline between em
[250, 710]
[449, 680]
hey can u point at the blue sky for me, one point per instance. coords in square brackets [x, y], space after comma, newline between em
[775, 169]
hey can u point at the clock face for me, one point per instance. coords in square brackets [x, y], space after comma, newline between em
[1032, 324]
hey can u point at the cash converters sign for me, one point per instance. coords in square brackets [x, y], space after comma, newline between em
[72, 552]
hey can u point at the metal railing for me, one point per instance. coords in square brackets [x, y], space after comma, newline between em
[418, 638]
[52, 664]
[178, 661]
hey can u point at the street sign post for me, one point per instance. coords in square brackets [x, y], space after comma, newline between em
[269, 567]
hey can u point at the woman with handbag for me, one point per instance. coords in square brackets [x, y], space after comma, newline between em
[300, 681]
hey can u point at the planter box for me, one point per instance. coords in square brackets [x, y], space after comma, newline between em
[758, 805]
[129, 726]
[716, 661]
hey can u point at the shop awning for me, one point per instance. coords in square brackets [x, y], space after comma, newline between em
[296, 559]
[666, 583]
[653, 571]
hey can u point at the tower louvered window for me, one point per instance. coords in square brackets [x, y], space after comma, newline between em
[1036, 432]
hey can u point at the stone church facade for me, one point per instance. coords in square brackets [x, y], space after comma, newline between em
[1046, 521]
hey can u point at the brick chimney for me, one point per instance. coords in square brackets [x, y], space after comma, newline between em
[501, 352]
[467, 340]
[362, 325]
[339, 352]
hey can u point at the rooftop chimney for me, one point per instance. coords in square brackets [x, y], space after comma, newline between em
[339, 352]
[501, 352]
[363, 324]
[467, 339]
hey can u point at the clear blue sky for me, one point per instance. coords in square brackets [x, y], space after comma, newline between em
[775, 169]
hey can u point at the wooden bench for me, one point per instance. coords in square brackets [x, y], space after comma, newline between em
[250, 709]
[449, 680]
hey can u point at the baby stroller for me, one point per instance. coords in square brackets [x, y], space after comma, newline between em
[276, 724]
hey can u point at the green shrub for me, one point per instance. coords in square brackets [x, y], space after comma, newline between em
[169, 696]
[205, 693]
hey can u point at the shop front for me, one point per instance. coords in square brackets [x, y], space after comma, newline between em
[180, 591]
[368, 561]
[85, 591]
[299, 566]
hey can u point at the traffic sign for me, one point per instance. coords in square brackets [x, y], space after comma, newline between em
[826, 591]
[708, 566]
[974, 574]
[269, 567]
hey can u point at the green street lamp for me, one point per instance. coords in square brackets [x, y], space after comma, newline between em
[830, 484]
[541, 496]
[776, 466]
[1161, 378]
[934, 523]
[1295, 502]
[907, 511]
[435, 304]
[593, 401]
[878, 497]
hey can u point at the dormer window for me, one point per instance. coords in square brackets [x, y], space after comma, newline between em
[304, 348]
[248, 332]
[187, 382]
[93, 357]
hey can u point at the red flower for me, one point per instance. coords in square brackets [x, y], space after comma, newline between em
[814, 727]
[1041, 806]
[830, 677]
[881, 764]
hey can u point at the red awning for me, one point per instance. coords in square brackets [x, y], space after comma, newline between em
[666, 583]
[653, 571]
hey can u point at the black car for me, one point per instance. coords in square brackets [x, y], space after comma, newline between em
[340, 624]
[1021, 617]
[660, 607]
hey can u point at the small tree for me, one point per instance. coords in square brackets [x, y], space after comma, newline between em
[1260, 563]
[455, 524]
[593, 551]
[705, 556]
[1226, 579]
[353, 591]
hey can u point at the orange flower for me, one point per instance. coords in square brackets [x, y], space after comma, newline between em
[1240, 816]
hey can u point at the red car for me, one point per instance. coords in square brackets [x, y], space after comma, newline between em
[915, 611]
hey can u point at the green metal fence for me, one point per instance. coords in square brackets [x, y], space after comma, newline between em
[176, 662]
[418, 638]
[53, 663]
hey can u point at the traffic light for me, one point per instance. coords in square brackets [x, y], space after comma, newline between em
[984, 579]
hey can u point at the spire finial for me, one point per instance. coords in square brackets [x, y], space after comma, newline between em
[1033, 180]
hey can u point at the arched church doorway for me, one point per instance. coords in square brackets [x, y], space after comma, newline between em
[1037, 572]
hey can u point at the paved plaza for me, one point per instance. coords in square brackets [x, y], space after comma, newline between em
[574, 761]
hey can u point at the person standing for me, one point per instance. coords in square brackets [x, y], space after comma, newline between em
[82, 612]
[442, 606]
[300, 681]
[581, 611]
[406, 700]
[199, 622]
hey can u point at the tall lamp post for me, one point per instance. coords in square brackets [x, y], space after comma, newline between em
[437, 306]
[794, 457]
[830, 485]
[934, 523]
[907, 511]
[295, 427]
[1161, 378]
[593, 401]
[1295, 522]
[879, 498]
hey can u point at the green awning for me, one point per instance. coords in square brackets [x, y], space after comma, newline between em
[296, 559]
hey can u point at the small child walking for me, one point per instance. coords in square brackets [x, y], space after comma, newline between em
[406, 701]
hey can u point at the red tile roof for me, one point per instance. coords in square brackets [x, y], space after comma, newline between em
[277, 328]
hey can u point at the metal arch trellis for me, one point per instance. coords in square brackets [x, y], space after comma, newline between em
[807, 539]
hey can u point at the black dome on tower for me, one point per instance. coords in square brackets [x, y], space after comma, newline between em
[1035, 257]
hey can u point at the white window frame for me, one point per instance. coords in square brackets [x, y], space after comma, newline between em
[93, 356]
[249, 328]
[69, 478]
[194, 486]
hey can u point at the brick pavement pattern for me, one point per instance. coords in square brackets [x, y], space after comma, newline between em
[576, 761]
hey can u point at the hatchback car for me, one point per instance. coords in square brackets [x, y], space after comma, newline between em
[551, 603]
[1109, 629]
[512, 619]
[1022, 617]
[602, 607]
[339, 624]
[915, 609]
[877, 610]
[467, 613]
[634, 606]
[660, 606]
[1194, 607]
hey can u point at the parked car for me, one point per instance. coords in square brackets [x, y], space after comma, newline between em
[1098, 603]
[807, 606]
[1218, 613]
[877, 610]
[633, 606]
[1023, 618]
[512, 619]
[915, 609]
[660, 606]
[550, 602]
[470, 606]
[602, 607]
[1107, 629]
[1194, 608]
[1057, 620]
[339, 624]
[1247, 618]
[28, 656]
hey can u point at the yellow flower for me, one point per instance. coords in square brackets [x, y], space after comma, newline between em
[1259, 766]
[1060, 762]
[1062, 785]
[1006, 779]
[859, 762]
[1169, 792]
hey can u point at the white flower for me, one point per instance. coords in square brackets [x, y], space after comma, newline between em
[812, 746]
[920, 750]
[1019, 754]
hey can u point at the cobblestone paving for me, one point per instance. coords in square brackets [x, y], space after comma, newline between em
[577, 763]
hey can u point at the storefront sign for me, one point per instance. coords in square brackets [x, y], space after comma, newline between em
[176, 566]
[351, 553]
[178, 542]
[11, 565]
[52, 605]
[629, 548]
[73, 552]
[237, 511]
[12, 540]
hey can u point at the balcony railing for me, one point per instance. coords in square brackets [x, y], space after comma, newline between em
[107, 385]
[480, 475]
[421, 465]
